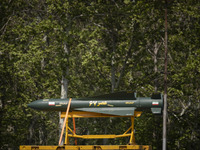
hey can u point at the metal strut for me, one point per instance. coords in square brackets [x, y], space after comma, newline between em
[87, 115]
[65, 122]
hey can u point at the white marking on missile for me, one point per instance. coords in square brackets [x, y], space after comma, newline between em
[51, 103]
[63, 103]
[155, 103]
[128, 114]
[45, 100]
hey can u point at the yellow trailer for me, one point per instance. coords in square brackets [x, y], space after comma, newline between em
[88, 147]
[78, 114]
[132, 143]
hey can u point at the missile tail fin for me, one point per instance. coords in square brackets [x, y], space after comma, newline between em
[117, 96]
[156, 111]
[156, 96]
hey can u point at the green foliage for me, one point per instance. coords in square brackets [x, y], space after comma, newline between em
[112, 46]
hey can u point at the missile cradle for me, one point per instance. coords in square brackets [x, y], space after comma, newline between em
[121, 104]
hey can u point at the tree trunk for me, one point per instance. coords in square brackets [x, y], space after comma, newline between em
[113, 61]
[164, 146]
[155, 67]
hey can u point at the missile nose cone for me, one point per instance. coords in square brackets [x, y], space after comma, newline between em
[36, 105]
[29, 105]
[33, 105]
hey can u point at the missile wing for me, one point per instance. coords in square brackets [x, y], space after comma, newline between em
[120, 104]
[119, 111]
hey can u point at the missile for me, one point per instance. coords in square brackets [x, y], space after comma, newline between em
[121, 104]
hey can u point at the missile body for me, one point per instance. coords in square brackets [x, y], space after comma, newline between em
[123, 104]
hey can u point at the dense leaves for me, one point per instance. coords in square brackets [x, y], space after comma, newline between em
[99, 47]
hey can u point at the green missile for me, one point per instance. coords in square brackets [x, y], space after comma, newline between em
[121, 104]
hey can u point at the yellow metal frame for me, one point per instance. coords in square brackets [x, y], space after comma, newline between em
[86, 147]
[79, 114]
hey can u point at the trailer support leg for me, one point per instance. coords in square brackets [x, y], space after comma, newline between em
[132, 139]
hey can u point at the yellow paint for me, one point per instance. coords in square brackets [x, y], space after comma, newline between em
[83, 114]
[137, 113]
[113, 136]
[71, 131]
[129, 102]
[80, 114]
[128, 130]
[86, 147]
[132, 139]
[108, 136]
[102, 103]
[92, 103]
[66, 133]
[58, 105]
